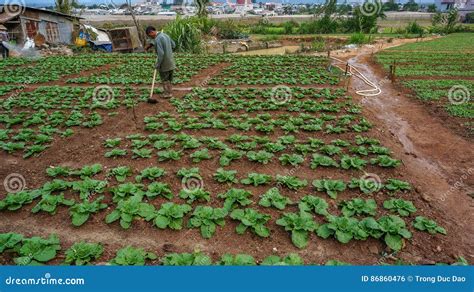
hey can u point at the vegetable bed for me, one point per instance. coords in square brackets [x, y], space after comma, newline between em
[216, 175]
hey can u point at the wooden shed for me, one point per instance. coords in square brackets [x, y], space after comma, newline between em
[38, 24]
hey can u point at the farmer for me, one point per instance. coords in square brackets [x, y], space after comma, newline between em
[165, 63]
[4, 38]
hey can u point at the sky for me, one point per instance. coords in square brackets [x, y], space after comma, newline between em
[37, 3]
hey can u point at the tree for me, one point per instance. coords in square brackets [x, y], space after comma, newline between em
[411, 5]
[469, 18]
[202, 7]
[451, 20]
[141, 34]
[65, 6]
[432, 8]
[390, 6]
[447, 20]
[362, 21]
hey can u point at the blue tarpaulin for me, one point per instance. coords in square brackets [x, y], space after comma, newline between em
[104, 46]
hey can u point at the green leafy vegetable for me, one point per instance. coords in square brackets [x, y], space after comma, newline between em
[313, 204]
[80, 212]
[171, 215]
[129, 209]
[425, 224]
[237, 260]
[273, 198]
[291, 182]
[186, 259]
[207, 219]
[235, 197]
[83, 253]
[402, 207]
[358, 206]
[257, 179]
[131, 256]
[250, 218]
[300, 225]
[331, 187]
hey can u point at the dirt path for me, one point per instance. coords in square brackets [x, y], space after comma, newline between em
[439, 162]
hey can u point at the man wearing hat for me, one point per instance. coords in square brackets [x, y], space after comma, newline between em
[4, 38]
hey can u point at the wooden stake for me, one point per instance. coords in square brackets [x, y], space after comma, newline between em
[392, 72]
[348, 83]
[153, 84]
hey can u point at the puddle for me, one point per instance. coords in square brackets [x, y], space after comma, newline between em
[273, 51]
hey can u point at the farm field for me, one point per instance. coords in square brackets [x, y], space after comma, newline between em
[250, 162]
[441, 74]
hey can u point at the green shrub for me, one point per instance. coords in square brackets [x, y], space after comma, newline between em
[360, 38]
[186, 35]
[414, 28]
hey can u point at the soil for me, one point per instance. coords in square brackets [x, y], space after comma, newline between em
[434, 160]
[437, 159]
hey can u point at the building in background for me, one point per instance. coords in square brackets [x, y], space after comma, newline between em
[464, 6]
[42, 26]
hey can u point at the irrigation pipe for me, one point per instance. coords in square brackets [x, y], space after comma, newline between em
[373, 91]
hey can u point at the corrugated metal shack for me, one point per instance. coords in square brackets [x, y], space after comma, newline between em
[40, 25]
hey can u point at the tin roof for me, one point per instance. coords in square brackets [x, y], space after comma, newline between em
[18, 9]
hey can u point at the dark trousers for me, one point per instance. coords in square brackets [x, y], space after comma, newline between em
[4, 51]
[166, 76]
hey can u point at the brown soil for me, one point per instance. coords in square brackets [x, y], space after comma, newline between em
[434, 158]
[438, 161]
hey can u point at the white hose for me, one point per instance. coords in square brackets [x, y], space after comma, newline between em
[374, 91]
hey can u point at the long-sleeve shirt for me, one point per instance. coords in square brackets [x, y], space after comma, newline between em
[164, 46]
